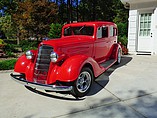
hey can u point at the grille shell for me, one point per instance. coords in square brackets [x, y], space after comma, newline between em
[42, 64]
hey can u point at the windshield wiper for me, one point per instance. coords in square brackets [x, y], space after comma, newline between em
[67, 28]
[81, 28]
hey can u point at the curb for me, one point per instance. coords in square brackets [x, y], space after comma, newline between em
[6, 71]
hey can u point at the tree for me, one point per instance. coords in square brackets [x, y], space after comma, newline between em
[44, 14]
[34, 18]
[7, 26]
[121, 19]
[121, 14]
[55, 31]
[9, 6]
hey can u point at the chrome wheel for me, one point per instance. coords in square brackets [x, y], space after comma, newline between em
[119, 56]
[83, 82]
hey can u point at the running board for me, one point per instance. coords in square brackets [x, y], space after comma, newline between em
[108, 64]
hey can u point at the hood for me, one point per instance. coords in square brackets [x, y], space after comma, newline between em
[68, 40]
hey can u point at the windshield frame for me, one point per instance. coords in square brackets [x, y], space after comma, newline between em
[79, 30]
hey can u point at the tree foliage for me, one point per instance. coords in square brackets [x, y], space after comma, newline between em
[9, 6]
[55, 31]
[32, 18]
[7, 26]
[97, 10]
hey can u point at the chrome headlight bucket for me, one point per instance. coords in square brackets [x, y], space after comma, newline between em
[54, 57]
[29, 54]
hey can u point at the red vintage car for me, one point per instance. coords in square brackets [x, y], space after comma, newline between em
[70, 64]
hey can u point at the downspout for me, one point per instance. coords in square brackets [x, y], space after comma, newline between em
[126, 5]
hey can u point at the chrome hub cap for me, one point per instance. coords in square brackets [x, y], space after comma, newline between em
[119, 56]
[83, 82]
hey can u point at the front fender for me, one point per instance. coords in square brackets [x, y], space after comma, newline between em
[70, 69]
[22, 64]
[26, 66]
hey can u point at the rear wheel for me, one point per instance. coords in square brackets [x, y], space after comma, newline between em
[83, 83]
[119, 57]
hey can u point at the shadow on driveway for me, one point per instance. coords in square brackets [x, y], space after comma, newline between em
[103, 79]
[97, 86]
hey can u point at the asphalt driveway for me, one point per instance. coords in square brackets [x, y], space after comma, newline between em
[128, 90]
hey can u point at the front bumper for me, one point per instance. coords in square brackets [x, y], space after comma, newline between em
[19, 79]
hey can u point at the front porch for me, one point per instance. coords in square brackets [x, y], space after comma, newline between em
[142, 30]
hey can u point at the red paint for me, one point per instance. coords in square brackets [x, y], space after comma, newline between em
[75, 51]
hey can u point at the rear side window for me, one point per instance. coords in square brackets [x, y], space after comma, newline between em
[115, 31]
[111, 32]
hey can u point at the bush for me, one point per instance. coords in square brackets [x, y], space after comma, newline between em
[1, 41]
[10, 41]
[123, 40]
[28, 45]
[10, 49]
[7, 64]
[122, 29]
[55, 31]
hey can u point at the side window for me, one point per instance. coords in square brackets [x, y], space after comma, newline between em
[104, 31]
[99, 32]
[111, 32]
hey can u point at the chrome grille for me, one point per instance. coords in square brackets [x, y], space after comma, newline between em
[42, 64]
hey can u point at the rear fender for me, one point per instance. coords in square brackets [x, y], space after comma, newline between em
[114, 54]
[70, 69]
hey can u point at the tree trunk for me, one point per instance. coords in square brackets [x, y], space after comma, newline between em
[18, 40]
[68, 11]
[77, 9]
[18, 37]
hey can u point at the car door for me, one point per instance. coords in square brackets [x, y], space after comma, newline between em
[101, 44]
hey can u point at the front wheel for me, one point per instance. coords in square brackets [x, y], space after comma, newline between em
[83, 83]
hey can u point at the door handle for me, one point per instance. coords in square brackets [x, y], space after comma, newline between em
[151, 34]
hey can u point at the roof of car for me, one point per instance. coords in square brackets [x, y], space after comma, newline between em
[91, 23]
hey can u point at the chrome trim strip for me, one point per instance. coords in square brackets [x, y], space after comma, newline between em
[54, 88]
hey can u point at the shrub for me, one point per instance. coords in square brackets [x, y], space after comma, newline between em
[122, 33]
[123, 40]
[28, 45]
[2, 44]
[7, 64]
[55, 31]
[1, 41]
[10, 49]
[10, 41]
[122, 29]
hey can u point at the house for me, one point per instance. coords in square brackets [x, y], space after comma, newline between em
[142, 30]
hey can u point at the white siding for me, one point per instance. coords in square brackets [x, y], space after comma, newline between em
[154, 31]
[132, 31]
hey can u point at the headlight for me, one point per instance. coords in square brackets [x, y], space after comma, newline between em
[29, 55]
[54, 57]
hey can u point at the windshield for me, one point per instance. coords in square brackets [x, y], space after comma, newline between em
[79, 30]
